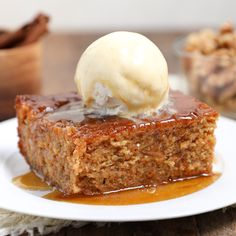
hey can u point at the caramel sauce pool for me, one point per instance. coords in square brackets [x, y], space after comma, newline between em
[30, 181]
[127, 197]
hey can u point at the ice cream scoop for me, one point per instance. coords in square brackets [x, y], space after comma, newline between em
[123, 68]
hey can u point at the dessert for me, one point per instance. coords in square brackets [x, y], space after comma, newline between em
[103, 143]
[209, 62]
[81, 153]
[125, 70]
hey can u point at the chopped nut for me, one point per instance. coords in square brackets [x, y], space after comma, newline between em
[211, 69]
[227, 27]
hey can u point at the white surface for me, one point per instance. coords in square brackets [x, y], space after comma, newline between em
[220, 194]
[107, 15]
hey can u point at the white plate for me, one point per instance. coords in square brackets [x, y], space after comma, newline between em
[220, 194]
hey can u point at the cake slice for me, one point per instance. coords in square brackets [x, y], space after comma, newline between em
[78, 151]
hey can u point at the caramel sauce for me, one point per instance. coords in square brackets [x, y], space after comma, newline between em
[67, 110]
[30, 181]
[178, 107]
[126, 197]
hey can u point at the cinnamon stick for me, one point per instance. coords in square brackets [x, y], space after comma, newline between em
[27, 34]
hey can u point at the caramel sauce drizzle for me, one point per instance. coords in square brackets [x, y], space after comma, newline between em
[125, 197]
[178, 107]
[30, 181]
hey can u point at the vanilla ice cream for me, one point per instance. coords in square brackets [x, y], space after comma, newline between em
[123, 70]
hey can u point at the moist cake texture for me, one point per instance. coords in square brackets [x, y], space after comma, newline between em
[78, 151]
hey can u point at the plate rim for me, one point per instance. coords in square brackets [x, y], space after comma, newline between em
[101, 218]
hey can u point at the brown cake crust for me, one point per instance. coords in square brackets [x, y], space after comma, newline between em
[82, 153]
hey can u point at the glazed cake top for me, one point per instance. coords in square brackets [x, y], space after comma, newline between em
[67, 110]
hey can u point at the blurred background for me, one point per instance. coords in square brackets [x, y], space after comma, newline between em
[110, 15]
[74, 24]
